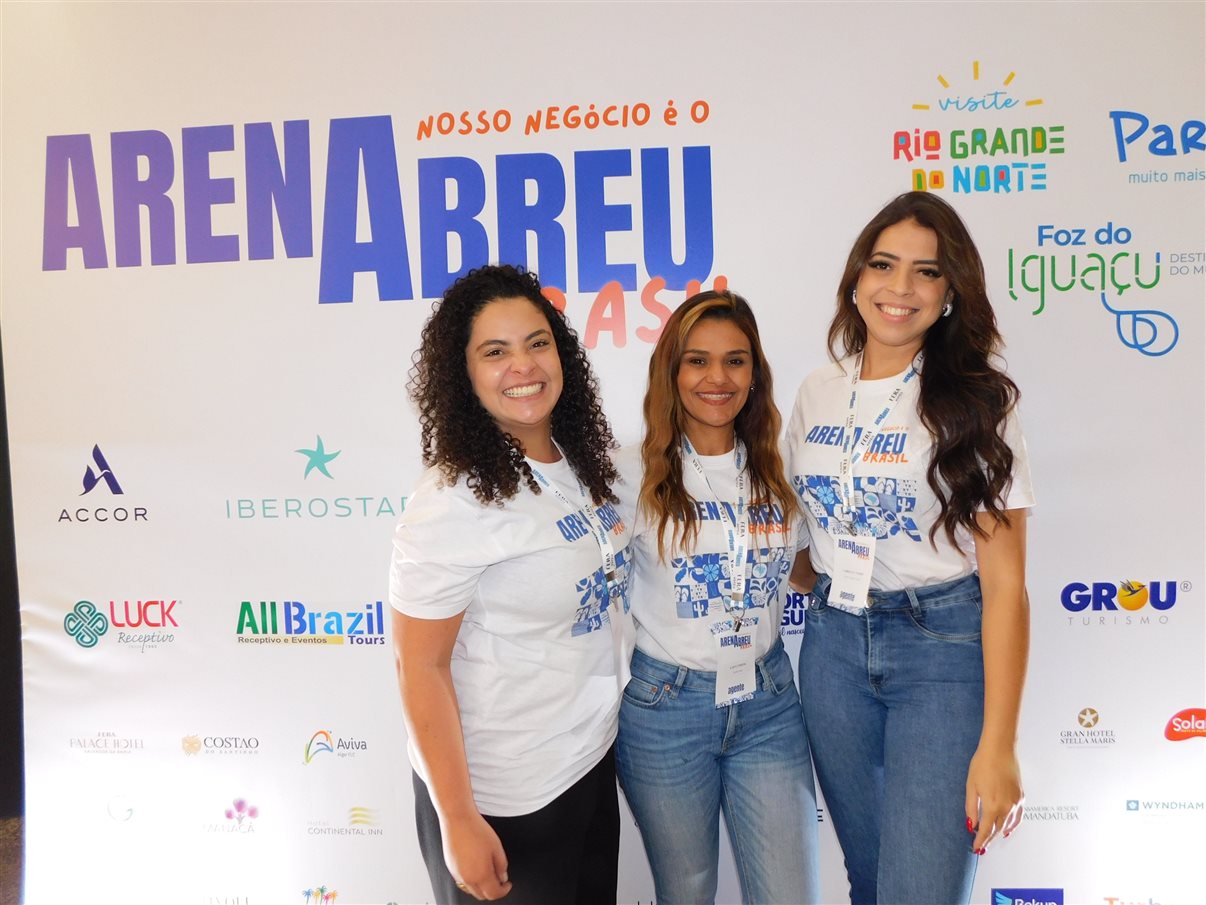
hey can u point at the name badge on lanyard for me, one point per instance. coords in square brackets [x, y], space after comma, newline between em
[623, 632]
[733, 628]
[854, 552]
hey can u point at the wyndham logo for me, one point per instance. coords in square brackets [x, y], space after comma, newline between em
[1027, 897]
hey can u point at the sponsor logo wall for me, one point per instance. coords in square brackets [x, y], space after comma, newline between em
[212, 296]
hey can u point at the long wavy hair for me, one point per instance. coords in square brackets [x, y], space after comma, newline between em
[459, 435]
[965, 396]
[664, 499]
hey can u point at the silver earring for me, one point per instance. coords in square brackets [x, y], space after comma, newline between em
[752, 387]
[854, 297]
[947, 309]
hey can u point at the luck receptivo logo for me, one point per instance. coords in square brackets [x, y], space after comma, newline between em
[294, 622]
[1186, 724]
[985, 143]
[314, 499]
[1124, 603]
[98, 473]
[142, 625]
[1021, 896]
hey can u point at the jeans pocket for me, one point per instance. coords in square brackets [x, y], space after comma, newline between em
[644, 692]
[956, 621]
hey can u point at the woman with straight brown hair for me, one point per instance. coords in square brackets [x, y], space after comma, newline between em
[709, 721]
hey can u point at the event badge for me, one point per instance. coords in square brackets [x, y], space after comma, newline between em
[853, 560]
[735, 674]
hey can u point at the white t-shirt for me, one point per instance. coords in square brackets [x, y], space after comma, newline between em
[673, 603]
[533, 665]
[892, 498]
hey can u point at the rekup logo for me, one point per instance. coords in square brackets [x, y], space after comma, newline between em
[103, 473]
[85, 624]
[1027, 897]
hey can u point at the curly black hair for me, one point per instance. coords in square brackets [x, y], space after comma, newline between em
[459, 435]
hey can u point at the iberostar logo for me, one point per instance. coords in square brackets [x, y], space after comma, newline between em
[1188, 723]
[315, 504]
[994, 159]
[1027, 897]
[85, 624]
[103, 473]
[319, 742]
[317, 458]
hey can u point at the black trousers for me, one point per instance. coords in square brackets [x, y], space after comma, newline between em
[566, 852]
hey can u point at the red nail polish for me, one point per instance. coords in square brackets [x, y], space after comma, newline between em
[970, 828]
[982, 851]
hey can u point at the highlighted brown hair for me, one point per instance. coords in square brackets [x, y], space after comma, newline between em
[664, 499]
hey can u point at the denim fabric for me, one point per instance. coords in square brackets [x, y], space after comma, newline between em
[681, 761]
[894, 701]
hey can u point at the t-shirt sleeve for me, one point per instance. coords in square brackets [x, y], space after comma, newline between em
[1020, 494]
[442, 545]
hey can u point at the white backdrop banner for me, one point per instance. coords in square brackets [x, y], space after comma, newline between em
[224, 224]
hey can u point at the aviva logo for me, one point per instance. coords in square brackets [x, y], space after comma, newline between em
[319, 742]
[1027, 897]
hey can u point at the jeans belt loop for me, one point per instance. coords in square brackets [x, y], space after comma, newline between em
[914, 603]
[767, 683]
[680, 679]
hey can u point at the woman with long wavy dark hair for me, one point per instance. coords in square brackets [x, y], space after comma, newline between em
[907, 455]
[710, 720]
[509, 585]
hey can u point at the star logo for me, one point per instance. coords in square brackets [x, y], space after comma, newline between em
[1087, 718]
[317, 458]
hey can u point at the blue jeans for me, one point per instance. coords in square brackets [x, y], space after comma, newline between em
[681, 761]
[894, 702]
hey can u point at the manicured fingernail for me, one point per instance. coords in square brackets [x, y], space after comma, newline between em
[1007, 835]
[982, 851]
[970, 828]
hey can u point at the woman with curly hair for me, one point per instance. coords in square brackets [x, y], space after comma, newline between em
[910, 463]
[509, 582]
[710, 720]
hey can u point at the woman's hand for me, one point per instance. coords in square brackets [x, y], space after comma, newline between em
[994, 796]
[475, 857]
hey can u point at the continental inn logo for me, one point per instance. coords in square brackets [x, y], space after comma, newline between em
[314, 502]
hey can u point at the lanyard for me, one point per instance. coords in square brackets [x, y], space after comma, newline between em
[738, 532]
[588, 513]
[852, 452]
